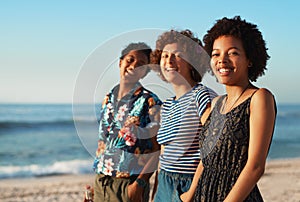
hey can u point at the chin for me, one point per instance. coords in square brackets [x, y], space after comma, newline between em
[221, 81]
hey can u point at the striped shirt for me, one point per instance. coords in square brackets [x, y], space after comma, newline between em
[179, 131]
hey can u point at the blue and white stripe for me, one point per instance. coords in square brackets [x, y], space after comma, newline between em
[179, 131]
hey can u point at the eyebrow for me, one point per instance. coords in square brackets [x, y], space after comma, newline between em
[233, 47]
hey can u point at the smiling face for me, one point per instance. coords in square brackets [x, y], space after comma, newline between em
[173, 63]
[228, 60]
[133, 66]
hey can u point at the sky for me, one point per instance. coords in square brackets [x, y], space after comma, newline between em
[45, 45]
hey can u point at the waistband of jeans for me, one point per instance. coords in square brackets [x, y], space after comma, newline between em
[176, 175]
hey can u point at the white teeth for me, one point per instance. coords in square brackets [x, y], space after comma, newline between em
[224, 70]
[170, 69]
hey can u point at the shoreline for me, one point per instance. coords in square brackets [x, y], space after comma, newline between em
[281, 182]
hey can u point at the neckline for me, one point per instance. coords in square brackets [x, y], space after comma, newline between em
[221, 100]
[115, 92]
[224, 102]
[185, 94]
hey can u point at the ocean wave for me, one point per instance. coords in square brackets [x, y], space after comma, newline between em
[31, 124]
[36, 123]
[287, 115]
[57, 168]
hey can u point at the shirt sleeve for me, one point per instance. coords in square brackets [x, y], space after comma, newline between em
[103, 106]
[153, 124]
[203, 97]
[101, 135]
[154, 113]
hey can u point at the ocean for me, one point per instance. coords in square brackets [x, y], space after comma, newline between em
[49, 139]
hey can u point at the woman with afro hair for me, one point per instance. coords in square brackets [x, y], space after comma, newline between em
[237, 134]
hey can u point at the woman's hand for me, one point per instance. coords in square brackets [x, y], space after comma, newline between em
[186, 197]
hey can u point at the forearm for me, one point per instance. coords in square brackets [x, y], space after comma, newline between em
[151, 158]
[189, 195]
[150, 167]
[136, 189]
[196, 178]
[156, 175]
[245, 183]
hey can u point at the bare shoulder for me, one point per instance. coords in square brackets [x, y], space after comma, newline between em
[263, 94]
[263, 98]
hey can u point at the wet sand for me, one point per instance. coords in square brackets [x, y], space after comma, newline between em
[281, 182]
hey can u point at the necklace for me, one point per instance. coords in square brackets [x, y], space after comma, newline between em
[223, 106]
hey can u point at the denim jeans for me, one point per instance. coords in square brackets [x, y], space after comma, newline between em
[172, 185]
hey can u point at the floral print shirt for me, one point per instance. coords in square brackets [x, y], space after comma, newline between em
[124, 131]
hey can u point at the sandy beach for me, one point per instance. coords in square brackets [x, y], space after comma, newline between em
[281, 182]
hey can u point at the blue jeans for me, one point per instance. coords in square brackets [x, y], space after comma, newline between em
[172, 185]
